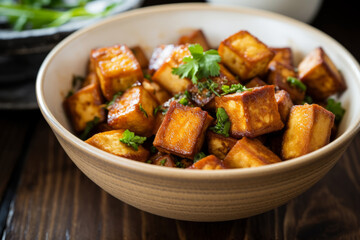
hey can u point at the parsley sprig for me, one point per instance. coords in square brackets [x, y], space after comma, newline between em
[336, 108]
[130, 139]
[222, 124]
[234, 88]
[296, 83]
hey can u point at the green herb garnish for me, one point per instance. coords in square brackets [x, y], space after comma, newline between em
[179, 164]
[147, 76]
[113, 99]
[162, 162]
[296, 83]
[143, 110]
[184, 101]
[210, 85]
[336, 108]
[222, 124]
[234, 88]
[153, 149]
[149, 161]
[130, 139]
[199, 156]
[308, 100]
[89, 126]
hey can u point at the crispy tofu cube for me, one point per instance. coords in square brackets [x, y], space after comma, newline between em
[210, 162]
[134, 110]
[255, 82]
[278, 76]
[84, 105]
[171, 82]
[218, 144]
[245, 55]
[249, 152]
[109, 142]
[283, 56]
[116, 68]
[308, 129]
[284, 103]
[163, 159]
[159, 93]
[194, 37]
[251, 113]
[159, 55]
[320, 75]
[140, 56]
[159, 118]
[183, 130]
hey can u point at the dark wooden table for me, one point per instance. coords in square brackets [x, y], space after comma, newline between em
[44, 196]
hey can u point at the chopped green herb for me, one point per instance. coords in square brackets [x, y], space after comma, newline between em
[177, 96]
[234, 88]
[89, 126]
[199, 156]
[131, 139]
[147, 76]
[113, 99]
[149, 161]
[210, 85]
[199, 65]
[179, 164]
[162, 162]
[222, 124]
[296, 83]
[187, 94]
[77, 80]
[143, 110]
[184, 101]
[308, 100]
[70, 93]
[336, 108]
[153, 149]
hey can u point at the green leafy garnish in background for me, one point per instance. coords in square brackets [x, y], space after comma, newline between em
[222, 124]
[296, 83]
[336, 108]
[130, 139]
[234, 88]
[116, 95]
[199, 156]
[89, 126]
[143, 110]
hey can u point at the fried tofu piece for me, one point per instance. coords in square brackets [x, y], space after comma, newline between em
[84, 105]
[196, 36]
[171, 82]
[320, 75]
[159, 93]
[308, 129]
[284, 103]
[159, 118]
[210, 162]
[249, 152]
[278, 76]
[251, 113]
[255, 82]
[158, 57]
[283, 56]
[134, 110]
[245, 55]
[109, 142]
[218, 144]
[140, 56]
[163, 159]
[183, 130]
[116, 68]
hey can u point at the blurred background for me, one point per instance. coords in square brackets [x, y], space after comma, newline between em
[22, 52]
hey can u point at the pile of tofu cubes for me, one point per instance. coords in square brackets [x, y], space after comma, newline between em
[269, 123]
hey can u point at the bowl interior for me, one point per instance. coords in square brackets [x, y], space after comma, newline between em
[152, 26]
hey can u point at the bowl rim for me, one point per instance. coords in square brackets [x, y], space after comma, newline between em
[176, 173]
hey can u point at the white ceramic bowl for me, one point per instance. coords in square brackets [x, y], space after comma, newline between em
[192, 194]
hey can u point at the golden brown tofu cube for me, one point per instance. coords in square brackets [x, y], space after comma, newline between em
[251, 113]
[283, 56]
[140, 56]
[210, 162]
[163, 159]
[171, 82]
[284, 104]
[109, 142]
[320, 75]
[308, 129]
[183, 130]
[134, 110]
[159, 93]
[255, 82]
[245, 55]
[194, 37]
[249, 152]
[218, 144]
[116, 68]
[279, 75]
[84, 105]
[158, 57]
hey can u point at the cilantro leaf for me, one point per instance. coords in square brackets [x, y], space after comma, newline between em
[130, 139]
[162, 162]
[222, 124]
[184, 101]
[336, 108]
[308, 99]
[199, 156]
[296, 83]
[234, 88]
[143, 110]
[89, 126]
[108, 104]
